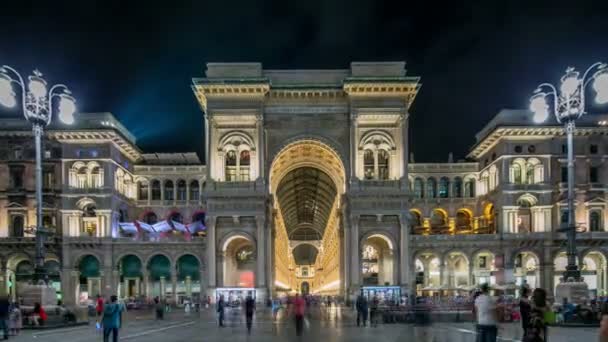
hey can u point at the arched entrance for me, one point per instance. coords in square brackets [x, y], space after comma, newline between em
[307, 178]
[428, 273]
[159, 273]
[377, 261]
[239, 261]
[188, 278]
[130, 270]
[89, 278]
[594, 273]
[527, 271]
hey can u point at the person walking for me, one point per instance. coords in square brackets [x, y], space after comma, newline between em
[524, 310]
[486, 311]
[361, 306]
[249, 310]
[373, 312]
[159, 308]
[299, 306]
[111, 319]
[15, 320]
[537, 328]
[4, 315]
[221, 309]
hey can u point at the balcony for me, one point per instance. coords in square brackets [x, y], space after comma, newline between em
[378, 185]
[171, 239]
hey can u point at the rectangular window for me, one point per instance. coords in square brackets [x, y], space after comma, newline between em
[48, 179]
[564, 149]
[16, 176]
[593, 149]
[593, 174]
[564, 174]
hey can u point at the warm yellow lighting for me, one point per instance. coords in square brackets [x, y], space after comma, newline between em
[281, 285]
[329, 286]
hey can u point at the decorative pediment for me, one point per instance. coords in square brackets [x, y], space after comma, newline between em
[596, 200]
[15, 205]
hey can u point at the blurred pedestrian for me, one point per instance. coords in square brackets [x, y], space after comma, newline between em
[221, 310]
[4, 315]
[249, 310]
[524, 310]
[486, 310]
[362, 307]
[537, 328]
[111, 320]
[299, 306]
[159, 308]
[15, 320]
[373, 312]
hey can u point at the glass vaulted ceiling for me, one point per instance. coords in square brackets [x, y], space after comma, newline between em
[306, 196]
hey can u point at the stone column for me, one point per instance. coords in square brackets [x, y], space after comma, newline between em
[146, 283]
[268, 231]
[405, 146]
[174, 287]
[149, 192]
[189, 286]
[404, 254]
[211, 252]
[163, 287]
[346, 254]
[260, 277]
[3, 281]
[260, 148]
[115, 281]
[355, 252]
[353, 146]
[74, 287]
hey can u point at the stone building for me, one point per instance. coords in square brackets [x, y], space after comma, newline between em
[307, 187]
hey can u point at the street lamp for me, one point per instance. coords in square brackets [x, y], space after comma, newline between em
[568, 106]
[38, 108]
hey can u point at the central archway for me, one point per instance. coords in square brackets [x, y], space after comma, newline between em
[307, 179]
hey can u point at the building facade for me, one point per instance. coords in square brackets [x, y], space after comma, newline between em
[308, 186]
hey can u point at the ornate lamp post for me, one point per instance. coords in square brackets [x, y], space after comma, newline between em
[38, 108]
[568, 106]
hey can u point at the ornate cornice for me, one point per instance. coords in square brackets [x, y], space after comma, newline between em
[407, 89]
[205, 91]
[531, 132]
[97, 137]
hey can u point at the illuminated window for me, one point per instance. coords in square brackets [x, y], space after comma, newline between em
[368, 164]
[142, 190]
[469, 188]
[244, 163]
[595, 221]
[418, 188]
[431, 188]
[444, 185]
[194, 191]
[231, 166]
[382, 164]
[156, 191]
[181, 190]
[169, 190]
[457, 187]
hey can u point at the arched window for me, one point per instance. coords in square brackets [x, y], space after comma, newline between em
[469, 188]
[595, 221]
[169, 190]
[431, 188]
[368, 164]
[142, 190]
[457, 187]
[444, 186]
[150, 218]
[194, 191]
[96, 176]
[119, 182]
[463, 221]
[534, 171]
[156, 190]
[524, 215]
[231, 166]
[416, 218]
[439, 222]
[245, 161]
[177, 217]
[419, 188]
[516, 173]
[382, 165]
[181, 190]
[81, 177]
[484, 183]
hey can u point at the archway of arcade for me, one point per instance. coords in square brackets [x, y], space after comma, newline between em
[307, 179]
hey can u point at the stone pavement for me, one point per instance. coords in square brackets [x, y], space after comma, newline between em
[334, 326]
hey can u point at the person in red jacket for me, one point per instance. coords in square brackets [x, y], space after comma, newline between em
[99, 306]
[39, 316]
[299, 306]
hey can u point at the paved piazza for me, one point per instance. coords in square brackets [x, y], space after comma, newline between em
[338, 326]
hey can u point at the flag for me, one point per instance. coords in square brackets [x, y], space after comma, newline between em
[128, 227]
[180, 226]
[197, 226]
[162, 227]
[146, 227]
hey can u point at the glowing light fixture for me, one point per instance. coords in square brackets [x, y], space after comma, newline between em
[570, 82]
[37, 86]
[67, 108]
[600, 85]
[538, 105]
[7, 96]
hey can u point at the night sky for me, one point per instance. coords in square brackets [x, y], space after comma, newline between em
[137, 60]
